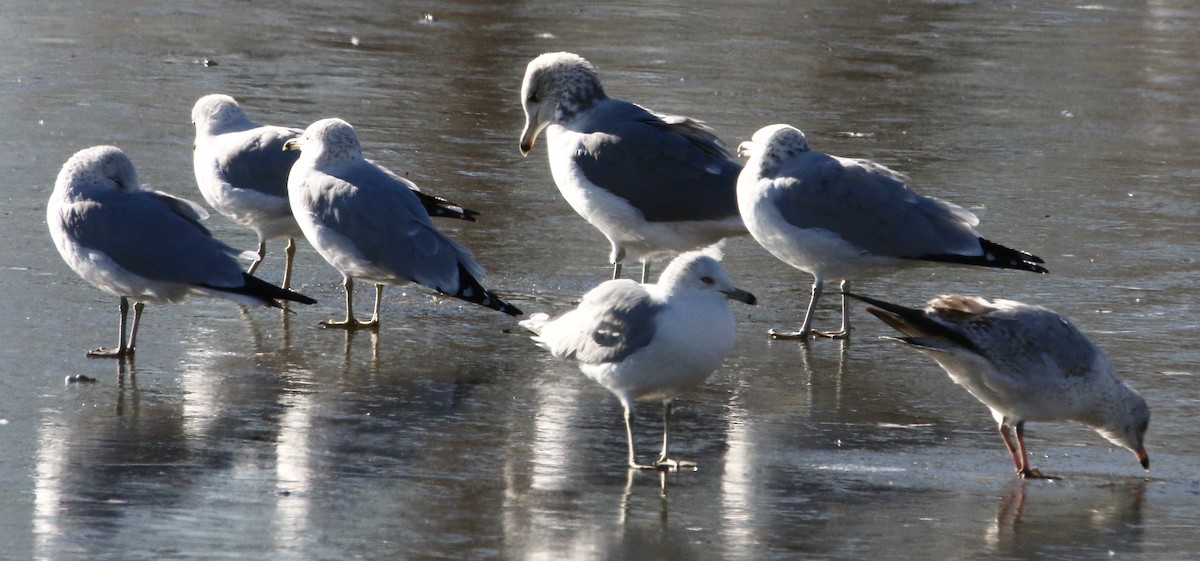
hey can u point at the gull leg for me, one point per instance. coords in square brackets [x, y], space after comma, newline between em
[1026, 471]
[374, 323]
[289, 253]
[806, 327]
[262, 253]
[616, 257]
[1018, 461]
[844, 332]
[123, 349]
[664, 462]
[629, 439]
[137, 320]
[349, 323]
[645, 271]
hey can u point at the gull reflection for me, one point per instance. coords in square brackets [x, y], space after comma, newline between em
[1036, 518]
[627, 503]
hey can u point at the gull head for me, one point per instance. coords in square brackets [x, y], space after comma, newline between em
[1127, 423]
[700, 271]
[557, 87]
[217, 113]
[327, 141]
[773, 143]
[105, 166]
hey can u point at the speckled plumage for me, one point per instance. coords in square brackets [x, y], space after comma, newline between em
[1026, 363]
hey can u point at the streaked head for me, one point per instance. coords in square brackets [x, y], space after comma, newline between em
[774, 143]
[104, 166]
[701, 271]
[327, 141]
[556, 87]
[215, 113]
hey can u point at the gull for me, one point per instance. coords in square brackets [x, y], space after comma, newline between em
[653, 184]
[1026, 363]
[369, 223]
[840, 218]
[242, 171]
[143, 245]
[649, 342]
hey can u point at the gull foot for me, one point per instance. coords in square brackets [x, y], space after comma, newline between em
[104, 352]
[831, 334]
[778, 335]
[667, 464]
[1034, 473]
[351, 325]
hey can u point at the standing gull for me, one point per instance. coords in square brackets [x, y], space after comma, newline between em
[1026, 363]
[840, 218]
[653, 184]
[369, 224]
[242, 171]
[648, 342]
[142, 245]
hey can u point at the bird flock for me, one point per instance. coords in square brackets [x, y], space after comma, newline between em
[657, 186]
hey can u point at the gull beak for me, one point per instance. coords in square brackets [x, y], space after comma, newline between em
[532, 129]
[1143, 458]
[746, 149]
[292, 144]
[741, 296]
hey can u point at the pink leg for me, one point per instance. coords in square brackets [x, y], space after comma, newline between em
[1024, 469]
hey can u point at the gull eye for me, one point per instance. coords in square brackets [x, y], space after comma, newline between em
[534, 98]
[706, 280]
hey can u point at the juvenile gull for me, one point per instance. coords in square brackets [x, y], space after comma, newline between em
[653, 184]
[242, 171]
[142, 245]
[369, 224]
[841, 218]
[649, 342]
[1026, 363]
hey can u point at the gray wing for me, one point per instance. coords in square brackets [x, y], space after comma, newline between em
[671, 170]
[146, 234]
[258, 162]
[1027, 341]
[381, 216]
[613, 321]
[870, 206]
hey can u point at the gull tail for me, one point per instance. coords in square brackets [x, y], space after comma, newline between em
[264, 292]
[470, 290]
[919, 328]
[994, 255]
[535, 323]
[439, 207]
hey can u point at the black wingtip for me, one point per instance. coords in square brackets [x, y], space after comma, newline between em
[996, 256]
[470, 290]
[440, 207]
[267, 292]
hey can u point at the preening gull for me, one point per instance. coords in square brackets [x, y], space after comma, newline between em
[370, 224]
[841, 218]
[653, 184]
[142, 245]
[1026, 363]
[649, 342]
[242, 171]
